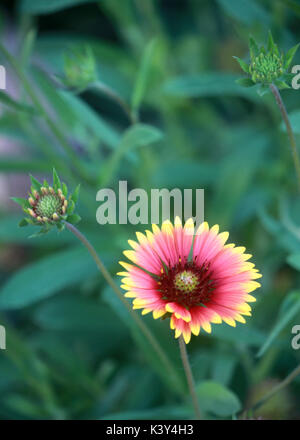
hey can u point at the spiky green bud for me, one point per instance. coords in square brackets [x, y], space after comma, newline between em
[79, 68]
[48, 206]
[267, 65]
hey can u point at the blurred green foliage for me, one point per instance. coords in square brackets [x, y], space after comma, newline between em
[164, 112]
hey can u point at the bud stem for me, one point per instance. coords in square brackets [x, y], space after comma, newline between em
[189, 376]
[286, 120]
[276, 388]
[151, 339]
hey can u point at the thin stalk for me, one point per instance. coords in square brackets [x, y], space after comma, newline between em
[275, 389]
[189, 376]
[99, 86]
[291, 136]
[142, 326]
[51, 124]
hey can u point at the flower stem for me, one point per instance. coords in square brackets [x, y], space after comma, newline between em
[99, 86]
[142, 326]
[275, 389]
[189, 377]
[286, 120]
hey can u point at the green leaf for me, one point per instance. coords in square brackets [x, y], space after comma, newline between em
[35, 183]
[71, 312]
[254, 51]
[143, 76]
[282, 85]
[74, 219]
[270, 45]
[47, 7]
[75, 194]
[46, 277]
[290, 55]
[243, 64]
[289, 309]
[23, 222]
[84, 121]
[216, 399]
[207, 85]
[20, 201]
[56, 180]
[17, 106]
[245, 82]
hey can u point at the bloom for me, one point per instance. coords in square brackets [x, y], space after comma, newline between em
[211, 286]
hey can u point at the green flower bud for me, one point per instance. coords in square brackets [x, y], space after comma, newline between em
[49, 206]
[79, 68]
[267, 65]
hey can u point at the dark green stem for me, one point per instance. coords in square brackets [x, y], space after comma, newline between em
[291, 136]
[275, 390]
[142, 326]
[189, 377]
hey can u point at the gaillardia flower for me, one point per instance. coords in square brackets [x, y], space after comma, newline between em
[194, 282]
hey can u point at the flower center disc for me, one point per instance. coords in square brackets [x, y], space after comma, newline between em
[187, 284]
[186, 281]
[48, 205]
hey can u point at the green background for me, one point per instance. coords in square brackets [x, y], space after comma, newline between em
[72, 350]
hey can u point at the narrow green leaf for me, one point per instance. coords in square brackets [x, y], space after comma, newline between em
[143, 76]
[56, 180]
[20, 201]
[243, 64]
[74, 219]
[245, 82]
[289, 309]
[64, 189]
[254, 51]
[35, 183]
[282, 85]
[290, 55]
[75, 194]
[46, 277]
[213, 84]
[17, 106]
[270, 41]
[23, 222]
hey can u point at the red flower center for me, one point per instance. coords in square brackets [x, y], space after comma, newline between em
[187, 285]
